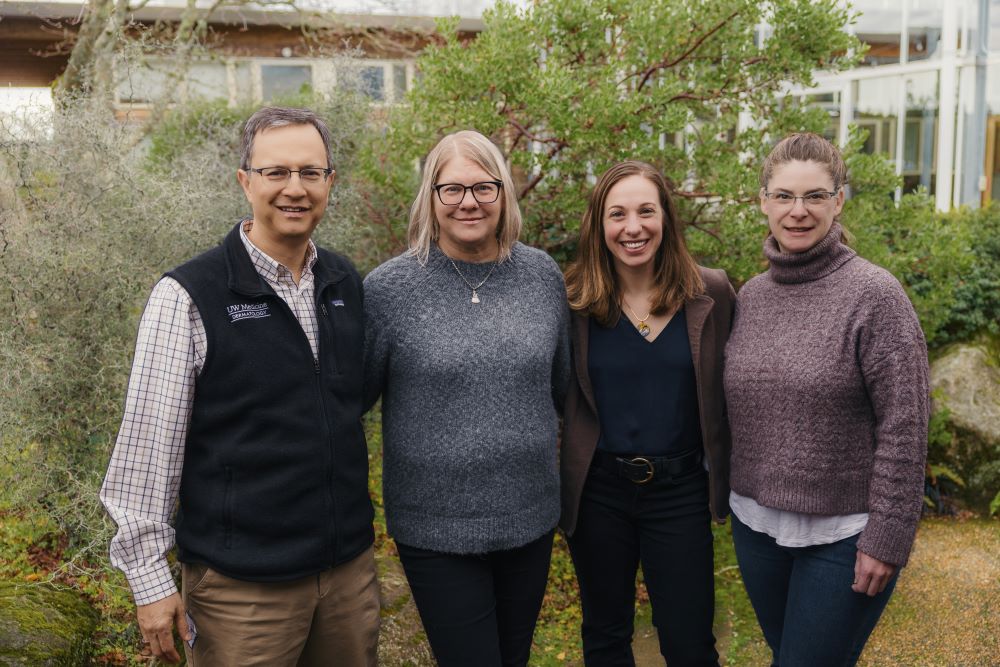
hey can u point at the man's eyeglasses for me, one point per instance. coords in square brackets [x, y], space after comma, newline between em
[452, 194]
[811, 200]
[308, 175]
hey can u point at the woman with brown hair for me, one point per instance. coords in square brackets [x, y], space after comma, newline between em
[826, 381]
[645, 450]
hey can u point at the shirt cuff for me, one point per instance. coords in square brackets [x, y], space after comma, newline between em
[151, 584]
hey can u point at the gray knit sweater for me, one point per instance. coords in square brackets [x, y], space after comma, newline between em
[470, 393]
[826, 384]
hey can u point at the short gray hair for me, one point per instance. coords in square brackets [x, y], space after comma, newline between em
[268, 117]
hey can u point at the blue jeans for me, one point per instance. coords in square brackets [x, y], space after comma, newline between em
[803, 599]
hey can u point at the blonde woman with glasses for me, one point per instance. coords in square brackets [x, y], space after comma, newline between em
[467, 344]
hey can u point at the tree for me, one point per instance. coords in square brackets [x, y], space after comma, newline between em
[568, 87]
[108, 28]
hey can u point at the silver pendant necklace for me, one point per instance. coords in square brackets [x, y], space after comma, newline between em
[475, 294]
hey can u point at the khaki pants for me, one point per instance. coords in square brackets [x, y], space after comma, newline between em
[330, 618]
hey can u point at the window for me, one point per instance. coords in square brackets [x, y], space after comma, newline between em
[372, 82]
[284, 80]
[919, 145]
[208, 81]
[924, 27]
[879, 27]
[380, 81]
[398, 82]
[876, 110]
[141, 84]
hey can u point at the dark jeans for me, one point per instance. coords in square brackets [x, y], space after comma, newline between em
[479, 609]
[803, 599]
[665, 525]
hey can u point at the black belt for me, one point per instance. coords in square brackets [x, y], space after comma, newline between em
[642, 469]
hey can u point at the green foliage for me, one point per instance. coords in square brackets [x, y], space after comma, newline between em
[995, 505]
[975, 307]
[89, 220]
[962, 469]
[200, 124]
[569, 87]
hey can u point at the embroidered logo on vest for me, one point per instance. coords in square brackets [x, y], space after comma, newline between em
[338, 302]
[247, 311]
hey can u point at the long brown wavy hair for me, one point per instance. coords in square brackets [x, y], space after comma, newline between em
[592, 283]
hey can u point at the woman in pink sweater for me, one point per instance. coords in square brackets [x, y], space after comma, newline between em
[827, 390]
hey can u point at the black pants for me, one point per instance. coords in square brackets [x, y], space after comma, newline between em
[479, 609]
[666, 525]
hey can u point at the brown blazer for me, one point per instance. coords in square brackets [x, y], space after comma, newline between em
[709, 317]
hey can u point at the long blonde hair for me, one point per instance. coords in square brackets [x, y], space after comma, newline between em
[591, 280]
[472, 145]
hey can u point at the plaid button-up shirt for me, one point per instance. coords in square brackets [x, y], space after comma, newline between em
[141, 487]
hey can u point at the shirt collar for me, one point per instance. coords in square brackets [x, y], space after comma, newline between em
[269, 268]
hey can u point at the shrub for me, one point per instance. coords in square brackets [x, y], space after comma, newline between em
[89, 220]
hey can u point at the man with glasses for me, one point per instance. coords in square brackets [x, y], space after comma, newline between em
[244, 404]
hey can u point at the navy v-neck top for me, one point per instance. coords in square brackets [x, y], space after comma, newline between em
[647, 398]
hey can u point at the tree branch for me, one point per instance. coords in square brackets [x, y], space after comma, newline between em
[533, 183]
[668, 62]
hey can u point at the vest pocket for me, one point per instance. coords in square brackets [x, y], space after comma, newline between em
[227, 510]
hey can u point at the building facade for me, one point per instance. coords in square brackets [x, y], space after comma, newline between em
[928, 93]
[927, 90]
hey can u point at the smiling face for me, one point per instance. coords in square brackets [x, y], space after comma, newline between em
[286, 211]
[798, 227]
[467, 230]
[633, 223]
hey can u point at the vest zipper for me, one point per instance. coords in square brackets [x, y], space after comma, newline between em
[329, 436]
[227, 510]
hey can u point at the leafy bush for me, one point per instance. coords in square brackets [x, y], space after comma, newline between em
[975, 308]
[89, 220]
[569, 87]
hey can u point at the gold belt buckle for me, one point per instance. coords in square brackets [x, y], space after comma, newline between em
[648, 464]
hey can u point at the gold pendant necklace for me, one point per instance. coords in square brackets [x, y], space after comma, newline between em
[642, 327]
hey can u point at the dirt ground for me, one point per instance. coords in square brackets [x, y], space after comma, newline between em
[945, 611]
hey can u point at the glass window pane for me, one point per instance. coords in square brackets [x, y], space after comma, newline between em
[879, 26]
[141, 83]
[992, 91]
[924, 23]
[208, 81]
[243, 80]
[398, 82]
[876, 110]
[830, 102]
[284, 80]
[372, 82]
[994, 44]
[919, 148]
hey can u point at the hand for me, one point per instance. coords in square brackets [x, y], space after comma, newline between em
[156, 623]
[871, 575]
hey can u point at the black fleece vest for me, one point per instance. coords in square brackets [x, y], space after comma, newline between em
[275, 478]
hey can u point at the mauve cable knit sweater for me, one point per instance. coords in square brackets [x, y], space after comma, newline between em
[826, 383]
